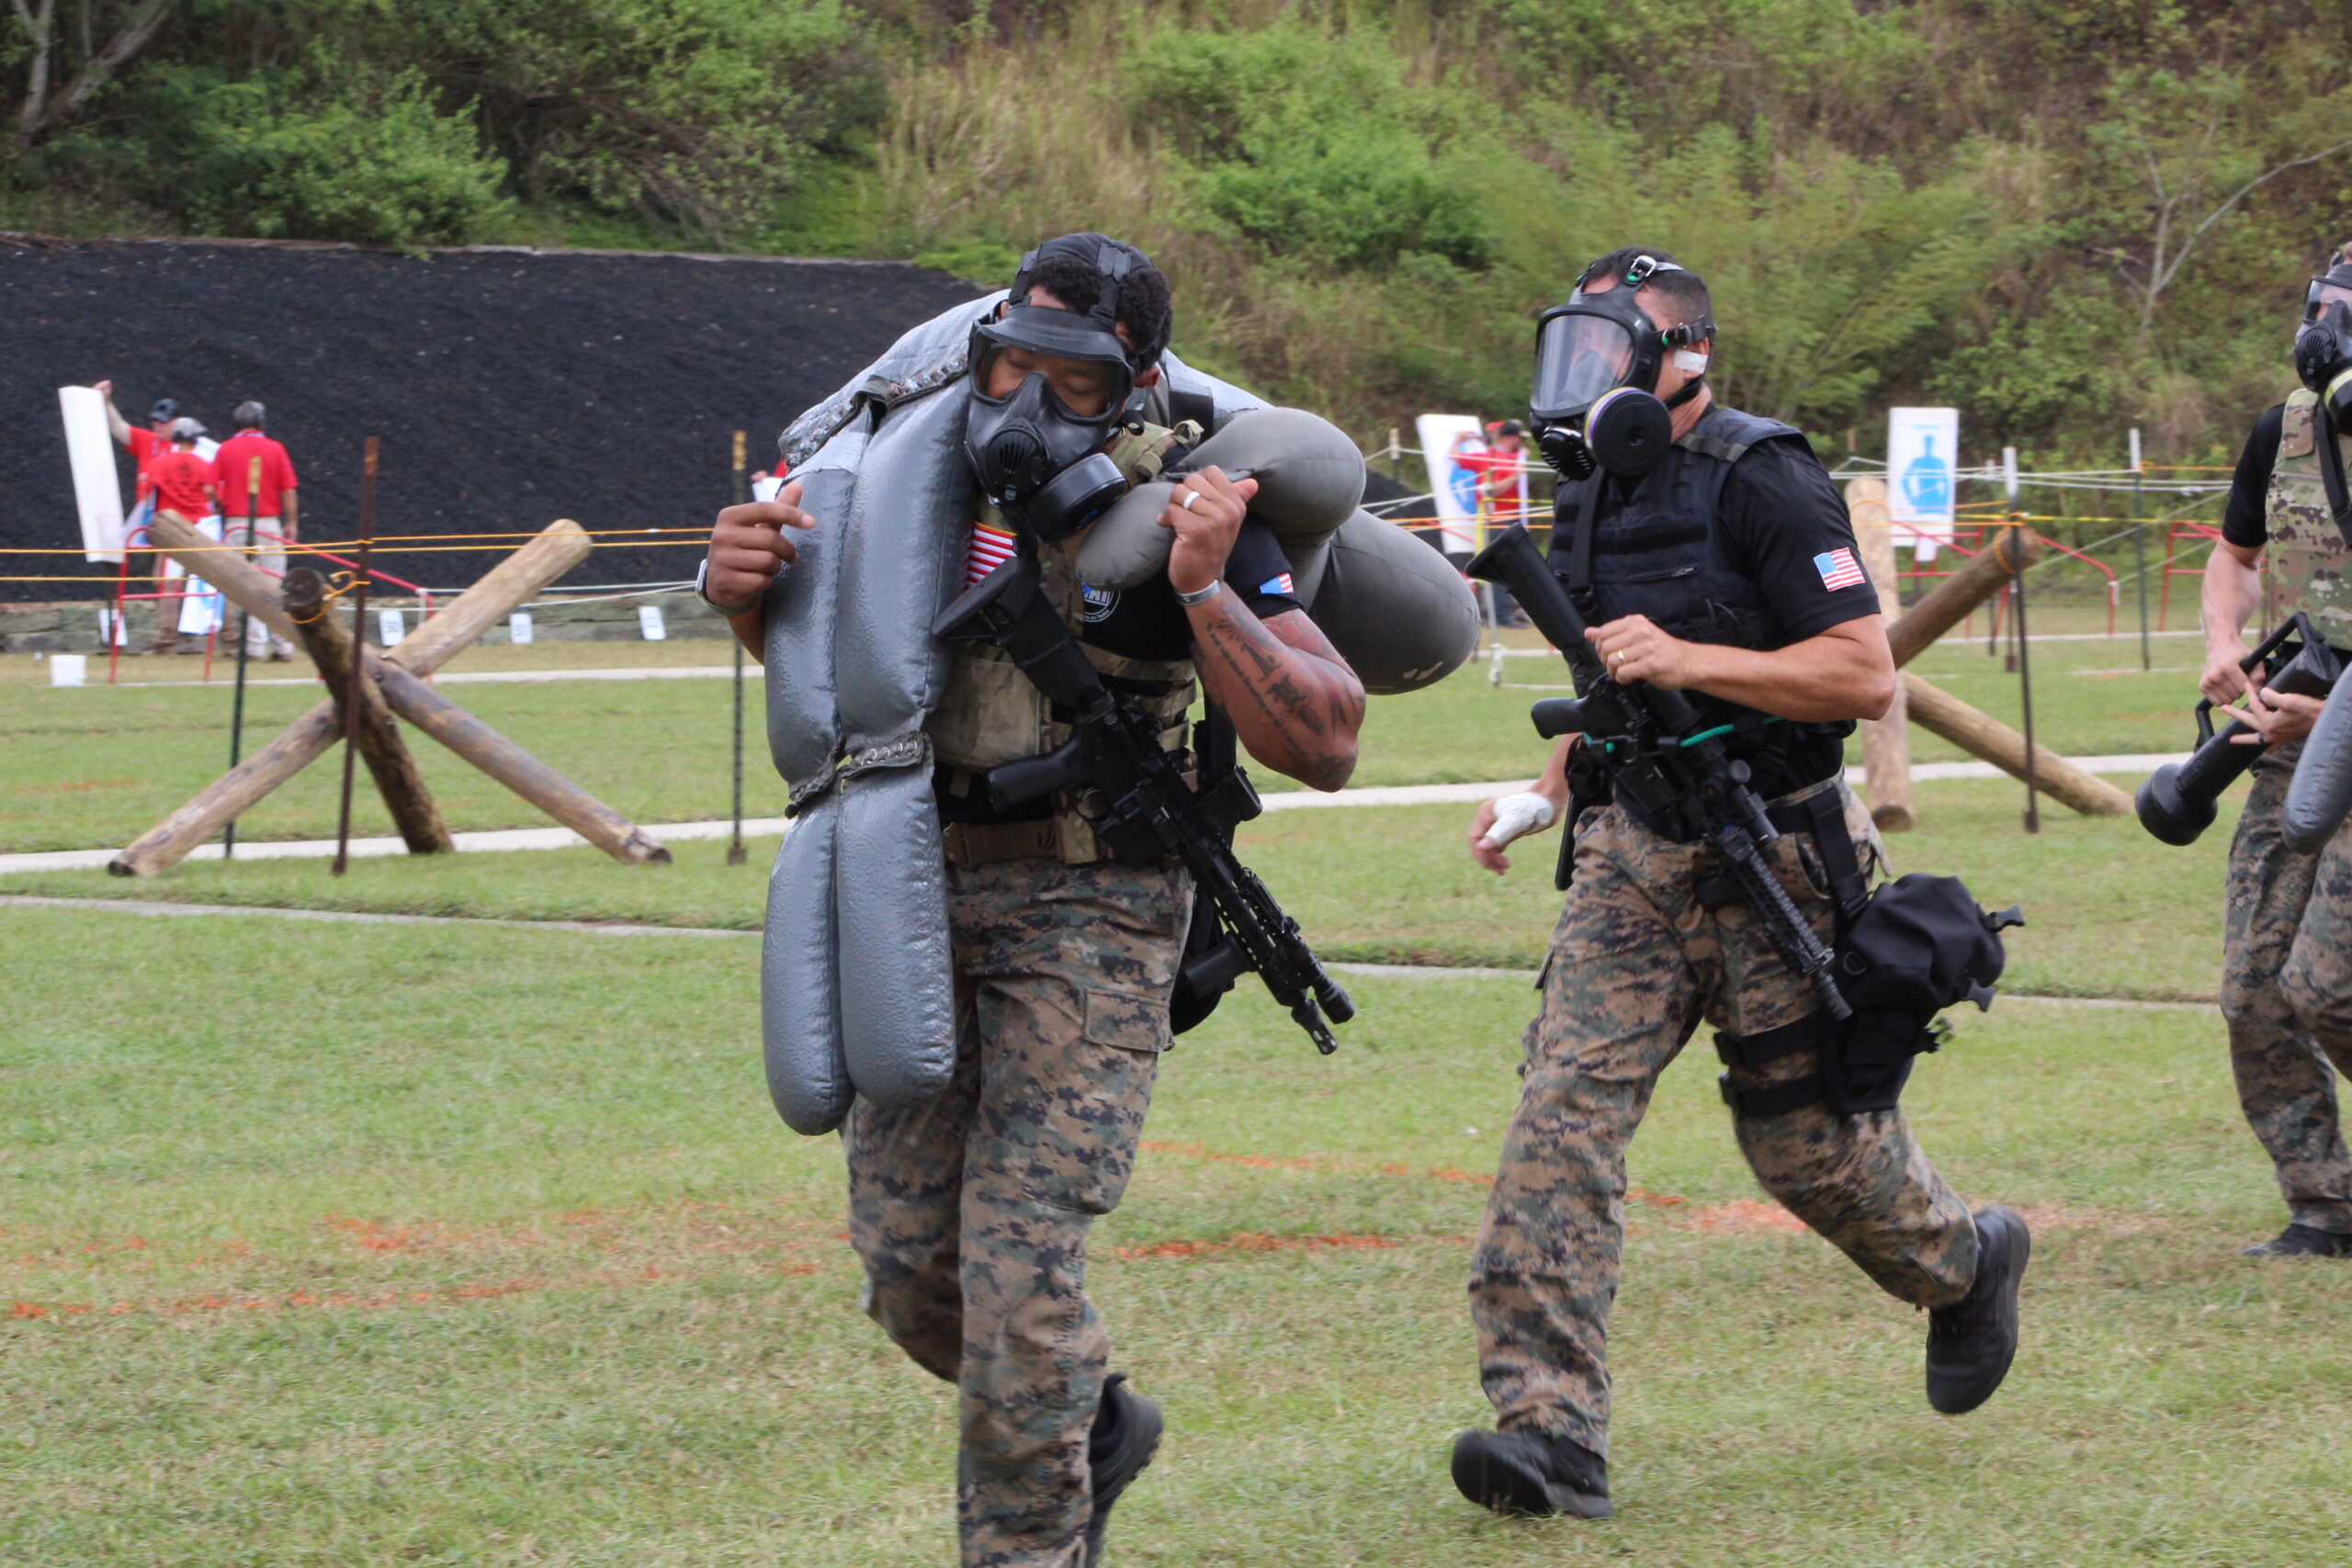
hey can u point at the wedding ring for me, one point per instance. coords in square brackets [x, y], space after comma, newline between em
[1191, 496]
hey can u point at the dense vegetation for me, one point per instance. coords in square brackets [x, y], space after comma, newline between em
[2065, 215]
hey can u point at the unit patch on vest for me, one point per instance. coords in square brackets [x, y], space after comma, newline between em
[1838, 570]
[1095, 605]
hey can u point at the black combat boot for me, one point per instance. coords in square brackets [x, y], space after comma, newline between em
[2304, 1241]
[1529, 1473]
[1972, 1342]
[1126, 1433]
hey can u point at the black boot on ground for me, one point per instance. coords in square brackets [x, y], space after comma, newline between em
[1528, 1473]
[2304, 1241]
[1972, 1342]
[1126, 1433]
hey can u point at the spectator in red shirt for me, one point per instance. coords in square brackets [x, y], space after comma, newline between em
[259, 517]
[183, 483]
[146, 445]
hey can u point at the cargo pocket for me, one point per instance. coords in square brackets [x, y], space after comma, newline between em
[1097, 1116]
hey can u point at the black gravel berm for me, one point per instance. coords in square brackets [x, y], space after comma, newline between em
[510, 388]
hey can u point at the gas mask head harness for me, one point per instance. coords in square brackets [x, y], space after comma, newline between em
[1037, 457]
[1597, 359]
[2324, 340]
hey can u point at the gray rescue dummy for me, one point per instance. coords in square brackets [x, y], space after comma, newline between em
[857, 977]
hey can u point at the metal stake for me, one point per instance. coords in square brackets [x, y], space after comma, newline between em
[2024, 660]
[735, 855]
[2140, 550]
[245, 631]
[359, 655]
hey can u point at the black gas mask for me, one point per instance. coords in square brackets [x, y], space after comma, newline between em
[1597, 358]
[1040, 461]
[2324, 340]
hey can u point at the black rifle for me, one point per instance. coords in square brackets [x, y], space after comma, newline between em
[1146, 810]
[1659, 757]
[2177, 803]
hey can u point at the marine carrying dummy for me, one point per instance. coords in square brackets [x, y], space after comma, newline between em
[857, 975]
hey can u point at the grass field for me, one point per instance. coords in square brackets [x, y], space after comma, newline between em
[479, 1243]
[458, 1245]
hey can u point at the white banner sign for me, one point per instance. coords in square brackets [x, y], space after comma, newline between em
[1446, 439]
[518, 627]
[98, 488]
[391, 626]
[649, 621]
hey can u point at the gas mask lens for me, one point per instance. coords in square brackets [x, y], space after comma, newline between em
[2330, 299]
[1577, 357]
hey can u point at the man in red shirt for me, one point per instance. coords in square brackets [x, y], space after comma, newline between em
[183, 483]
[145, 447]
[257, 507]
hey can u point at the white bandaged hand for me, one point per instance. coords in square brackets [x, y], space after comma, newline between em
[1517, 816]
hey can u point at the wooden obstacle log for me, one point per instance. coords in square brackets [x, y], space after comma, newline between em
[329, 644]
[1886, 742]
[1988, 571]
[560, 546]
[516, 768]
[1980, 735]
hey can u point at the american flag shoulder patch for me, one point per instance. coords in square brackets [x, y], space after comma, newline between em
[1838, 570]
[990, 548]
[1279, 584]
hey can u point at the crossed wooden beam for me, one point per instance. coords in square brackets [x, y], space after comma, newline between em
[391, 682]
[1886, 758]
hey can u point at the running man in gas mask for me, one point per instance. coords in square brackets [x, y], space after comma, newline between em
[1711, 555]
[2287, 933]
[971, 1210]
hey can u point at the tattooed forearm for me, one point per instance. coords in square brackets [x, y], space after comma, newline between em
[1293, 701]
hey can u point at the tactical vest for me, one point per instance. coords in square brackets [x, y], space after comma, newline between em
[2307, 563]
[1661, 553]
[992, 713]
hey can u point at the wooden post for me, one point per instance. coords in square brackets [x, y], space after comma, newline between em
[1939, 713]
[1886, 742]
[558, 547]
[1986, 573]
[329, 643]
[516, 768]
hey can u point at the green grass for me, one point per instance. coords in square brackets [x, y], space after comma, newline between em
[2112, 912]
[463, 1246]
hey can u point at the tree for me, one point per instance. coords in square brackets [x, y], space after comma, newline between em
[49, 51]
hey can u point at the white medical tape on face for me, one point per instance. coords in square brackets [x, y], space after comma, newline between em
[1691, 360]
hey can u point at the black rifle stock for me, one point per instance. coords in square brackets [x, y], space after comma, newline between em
[2177, 803]
[1147, 812]
[1657, 756]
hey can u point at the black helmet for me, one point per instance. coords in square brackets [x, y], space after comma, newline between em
[164, 409]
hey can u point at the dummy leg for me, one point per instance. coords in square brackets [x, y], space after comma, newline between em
[1620, 997]
[2285, 1085]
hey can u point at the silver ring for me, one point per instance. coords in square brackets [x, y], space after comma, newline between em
[1191, 496]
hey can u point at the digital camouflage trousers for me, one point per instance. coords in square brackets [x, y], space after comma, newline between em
[2287, 995]
[1636, 962]
[971, 1210]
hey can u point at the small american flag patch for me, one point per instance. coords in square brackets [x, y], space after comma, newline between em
[1278, 583]
[1839, 569]
[992, 548]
